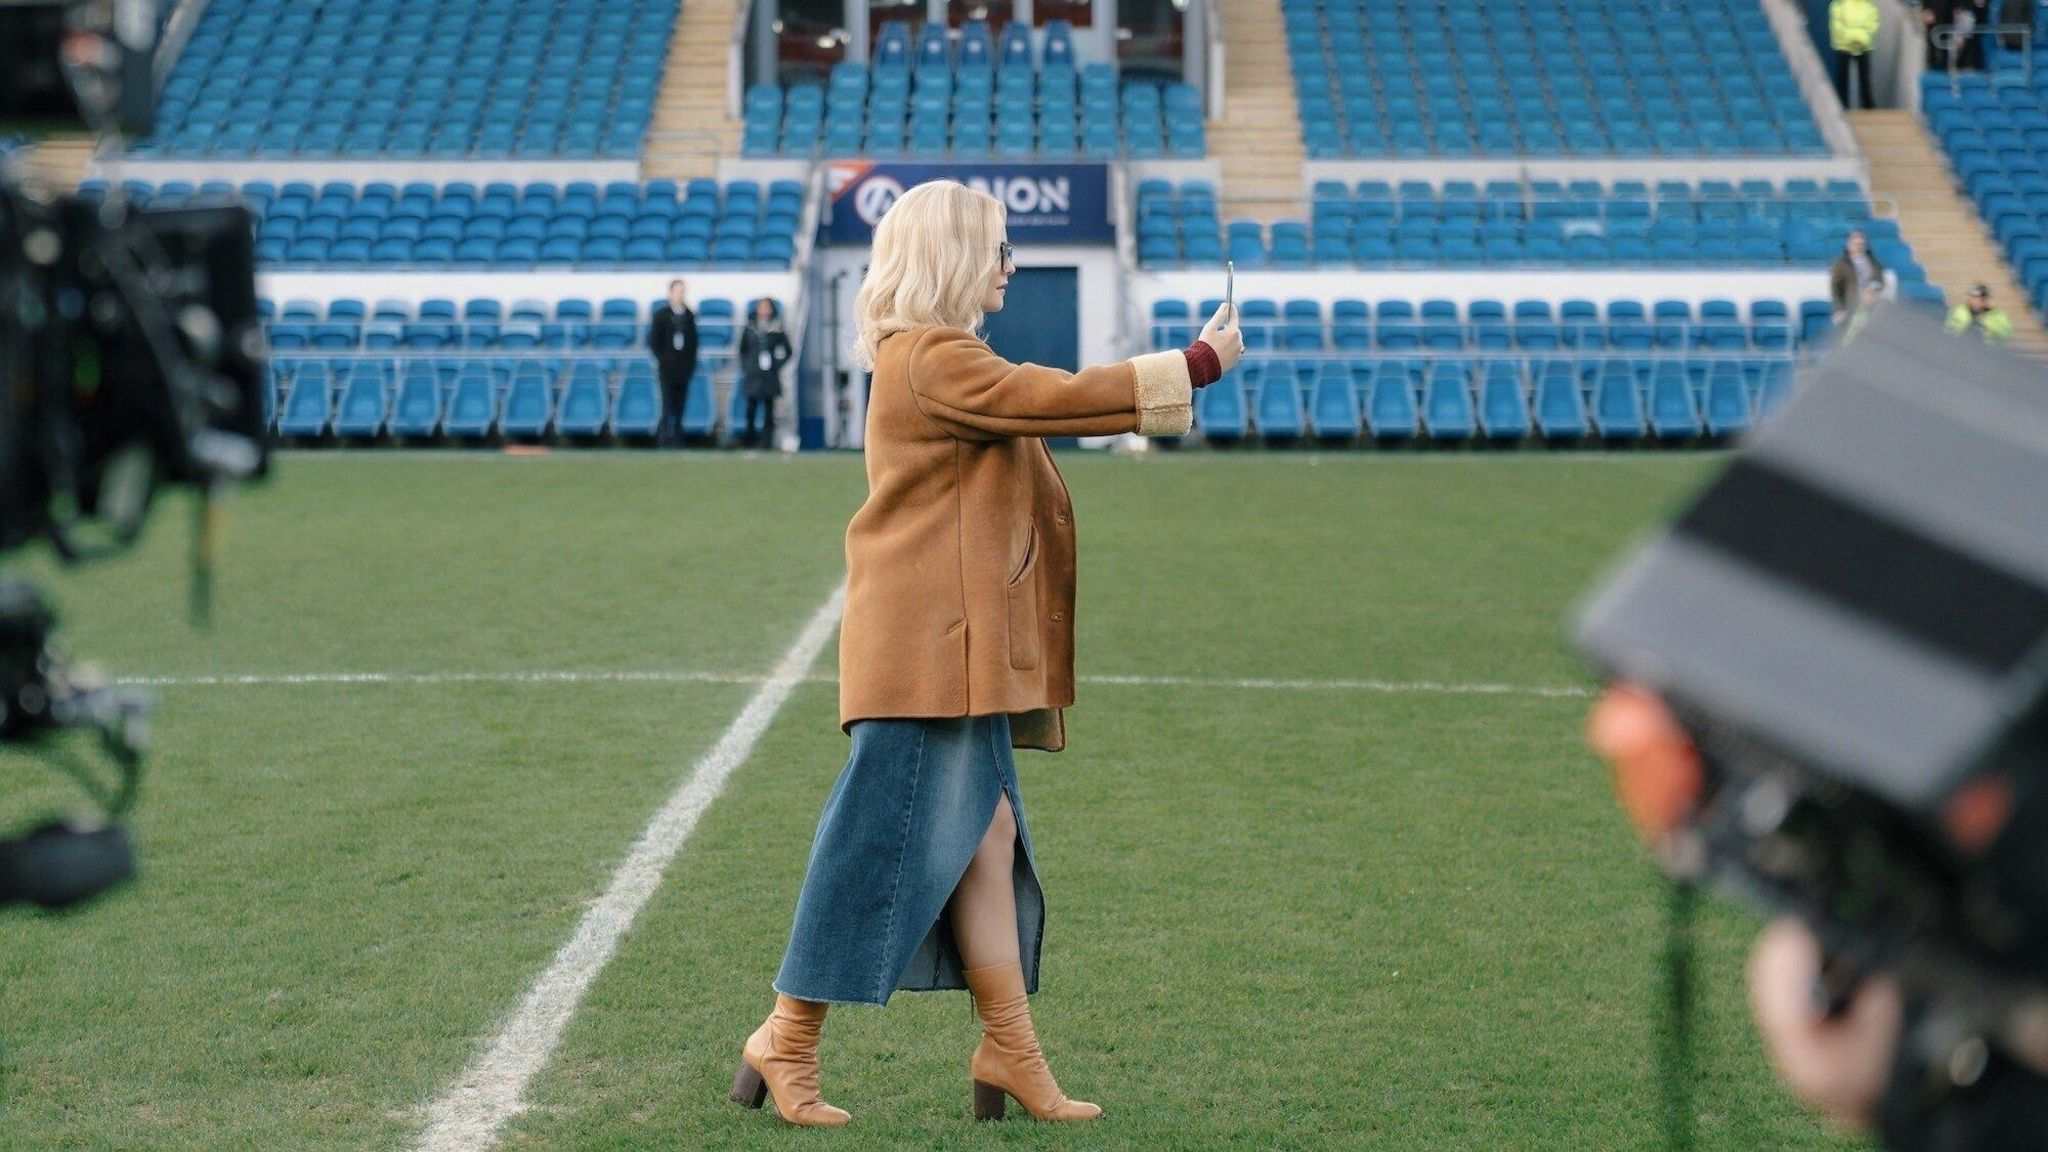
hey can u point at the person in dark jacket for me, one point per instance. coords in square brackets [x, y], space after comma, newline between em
[1854, 268]
[764, 349]
[672, 337]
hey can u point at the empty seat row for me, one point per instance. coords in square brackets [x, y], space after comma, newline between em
[1542, 77]
[1300, 326]
[435, 325]
[1535, 223]
[1492, 398]
[383, 78]
[473, 400]
[503, 224]
[1996, 138]
[1016, 112]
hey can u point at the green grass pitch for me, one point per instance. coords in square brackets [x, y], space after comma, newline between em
[1292, 916]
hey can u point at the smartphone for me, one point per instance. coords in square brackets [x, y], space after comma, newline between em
[1230, 287]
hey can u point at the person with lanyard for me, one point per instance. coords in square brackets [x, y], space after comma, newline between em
[764, 349]
[672, 337]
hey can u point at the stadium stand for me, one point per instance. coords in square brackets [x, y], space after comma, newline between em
[1996, 139]
[385, 79]
[1457, 399]
[337, 225]
[1498, 371]
[1627, 223]
[522, 370]
[1626, 78]
[930, 97]
[447, 398]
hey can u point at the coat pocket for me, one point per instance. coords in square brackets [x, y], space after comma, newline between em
[1023, 598]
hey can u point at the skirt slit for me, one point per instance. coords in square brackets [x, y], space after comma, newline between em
[898, 831]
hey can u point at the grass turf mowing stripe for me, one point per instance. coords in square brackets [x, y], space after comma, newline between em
[489, 1092]
[657, 676]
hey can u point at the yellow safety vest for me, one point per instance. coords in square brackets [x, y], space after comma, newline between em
[1853, 25]
[1994, 326]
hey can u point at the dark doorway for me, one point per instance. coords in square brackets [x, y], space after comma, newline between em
[1041, 319]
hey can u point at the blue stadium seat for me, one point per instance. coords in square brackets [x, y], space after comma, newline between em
[584, 404]
[1390, 411]
[1503, 409]
[418, 410]
[1728, 408]
[697, 406]
[1447, 408]
[1674, 415]
[308, 409]
[1560, 408]
[1334, 414]
[1220, 409]
[638, 412]
[1617, 404]
[1279, 414]
[473, 410]
[365, 401]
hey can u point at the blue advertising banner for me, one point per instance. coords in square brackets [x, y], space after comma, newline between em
[1048, 203]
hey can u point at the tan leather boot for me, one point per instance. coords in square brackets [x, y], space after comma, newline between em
[781, 1058]
[1008, 1061]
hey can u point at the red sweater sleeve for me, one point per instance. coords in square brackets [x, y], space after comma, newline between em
[1203, 366]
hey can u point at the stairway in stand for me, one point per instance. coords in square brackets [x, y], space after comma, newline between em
[1257, 141]
[56, 162]
[1940, 221]
[691, 130]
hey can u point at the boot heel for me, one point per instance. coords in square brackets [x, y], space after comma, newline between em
[748, 1089]
[988, 1101]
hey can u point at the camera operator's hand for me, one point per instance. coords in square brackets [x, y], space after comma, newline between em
[1837, 1065]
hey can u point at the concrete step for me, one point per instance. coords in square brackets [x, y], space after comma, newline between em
[1938, 219]
[691, 103]
[1257, 140]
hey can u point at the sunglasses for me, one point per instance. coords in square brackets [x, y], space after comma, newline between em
[1006, 254]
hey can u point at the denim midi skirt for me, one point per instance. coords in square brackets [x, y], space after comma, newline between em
[901, 825]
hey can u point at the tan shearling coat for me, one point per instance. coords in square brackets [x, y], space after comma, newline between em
[960, 565]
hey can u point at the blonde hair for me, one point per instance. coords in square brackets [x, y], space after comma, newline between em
[934, 253]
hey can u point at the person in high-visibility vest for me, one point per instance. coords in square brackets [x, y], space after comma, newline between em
[1852, 29]
[1978, 314]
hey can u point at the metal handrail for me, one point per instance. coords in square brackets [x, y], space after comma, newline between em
[1947, 38]
[707, 144]
[736, 59]
[1882, 205]
[1468, 334]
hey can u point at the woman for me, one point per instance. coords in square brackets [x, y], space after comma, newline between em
[764, 349]
[956, 645]
[1856, 267]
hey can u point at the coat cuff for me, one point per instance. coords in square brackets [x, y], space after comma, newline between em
[1165, 394]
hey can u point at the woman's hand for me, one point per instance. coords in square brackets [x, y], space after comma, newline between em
[1223, 336]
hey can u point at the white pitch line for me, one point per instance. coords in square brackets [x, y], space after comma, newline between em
[489, 1092]
[659, 676]
[1385, 687]
[263, 680]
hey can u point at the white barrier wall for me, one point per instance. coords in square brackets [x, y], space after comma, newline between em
[1416, 285]
[552, 286]
[1096, 272]
[478, 172]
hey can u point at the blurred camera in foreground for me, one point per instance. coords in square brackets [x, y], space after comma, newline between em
[131, 357]
[1835, 702]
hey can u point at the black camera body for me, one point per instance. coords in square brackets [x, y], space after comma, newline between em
[131, 357]
[1851, 622]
